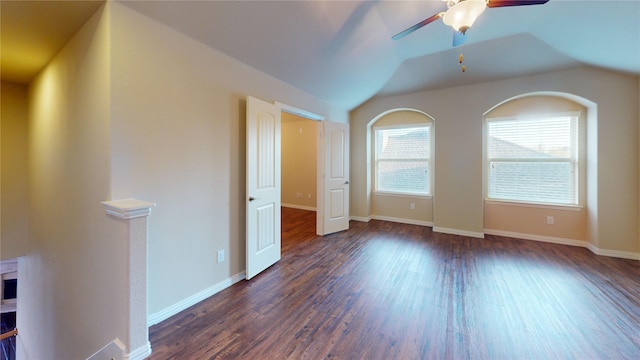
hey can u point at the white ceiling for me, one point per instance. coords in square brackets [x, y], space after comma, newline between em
[342, 52]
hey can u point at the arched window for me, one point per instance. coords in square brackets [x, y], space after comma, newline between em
[402, 153]
[535, 156]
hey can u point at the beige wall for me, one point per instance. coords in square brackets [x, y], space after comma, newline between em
[13, 182]
[398, 208]
[299, 161]
[178, 139]
[569, 223]
[131, 108]
[458, 195]
[392, 206]
[72, 293]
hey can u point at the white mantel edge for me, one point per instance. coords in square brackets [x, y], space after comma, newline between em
[128, 208]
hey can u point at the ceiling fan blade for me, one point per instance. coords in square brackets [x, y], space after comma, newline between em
[418, 26]
[503, 3]
[459, 38]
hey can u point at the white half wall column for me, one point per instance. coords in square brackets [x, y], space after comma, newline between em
[135, 213]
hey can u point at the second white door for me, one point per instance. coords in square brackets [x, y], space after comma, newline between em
[263, 186]
[333, 181]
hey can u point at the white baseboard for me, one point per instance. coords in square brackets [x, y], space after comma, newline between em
[565, 241]
[548, 239]
[140, 353]
[299, 207]
[458, 232]
[193, 299]
[360, 218]
[613, 253]
[402, 220]
[113, 350]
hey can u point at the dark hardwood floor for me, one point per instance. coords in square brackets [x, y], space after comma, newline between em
[384, 290]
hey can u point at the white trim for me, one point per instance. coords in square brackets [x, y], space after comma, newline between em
[128, 208]
[193, 299]
[613, 253]
[9, 266]
[140, 353]
[565, 241]
[425, 124]
[400, 194]
[402, 220]
[542, 238]
[500, 202]
[299, 207]
[113, 350]
[373, 151]
[535, 116]
[576, 159]
[8, 271]
[474, 234]
[9, 305]
[360, 218]
[299, 112]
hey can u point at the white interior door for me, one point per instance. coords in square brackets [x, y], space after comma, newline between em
[263, 186]
[333, 185]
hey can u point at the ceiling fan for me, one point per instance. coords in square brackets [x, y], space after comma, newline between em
[461, 14]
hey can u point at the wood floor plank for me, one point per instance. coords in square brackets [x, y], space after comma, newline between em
[384, 290]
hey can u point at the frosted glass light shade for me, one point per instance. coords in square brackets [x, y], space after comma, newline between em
[462, 15]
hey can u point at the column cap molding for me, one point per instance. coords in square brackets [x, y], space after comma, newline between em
[128, 208]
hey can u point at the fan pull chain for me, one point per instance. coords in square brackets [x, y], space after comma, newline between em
[461, 58]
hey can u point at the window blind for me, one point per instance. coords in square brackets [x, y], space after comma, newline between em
[402, 156]
[533, 160]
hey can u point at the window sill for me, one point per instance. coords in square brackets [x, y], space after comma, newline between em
[533, 205]
[399, 194]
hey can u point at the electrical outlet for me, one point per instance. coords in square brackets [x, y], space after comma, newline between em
[550, 220]
[220, 256]
[308, 196]
[412, 206]
[298, 195]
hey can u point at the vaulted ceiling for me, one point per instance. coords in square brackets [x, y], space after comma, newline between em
[342, 52]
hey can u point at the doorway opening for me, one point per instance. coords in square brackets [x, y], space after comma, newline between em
[264, 185]
[299, 173]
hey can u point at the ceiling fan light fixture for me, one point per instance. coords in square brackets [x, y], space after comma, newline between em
[463, 14]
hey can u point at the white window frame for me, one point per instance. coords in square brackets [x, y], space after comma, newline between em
[429, 160]
[8, 271]
[577, 160]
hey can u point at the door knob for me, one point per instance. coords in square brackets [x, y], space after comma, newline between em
[251, 198]
[346, 182]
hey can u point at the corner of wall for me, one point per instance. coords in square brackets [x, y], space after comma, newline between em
[69, 245]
